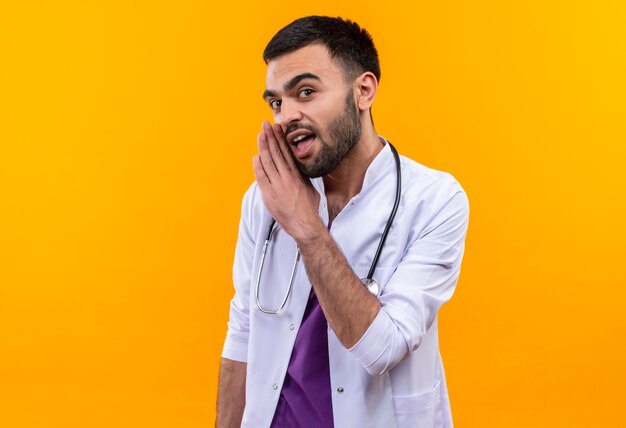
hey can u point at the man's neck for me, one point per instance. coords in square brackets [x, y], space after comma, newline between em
[346, 180]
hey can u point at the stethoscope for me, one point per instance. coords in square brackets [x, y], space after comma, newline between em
[369, 282]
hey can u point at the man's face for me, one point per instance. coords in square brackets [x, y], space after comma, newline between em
[315, 108]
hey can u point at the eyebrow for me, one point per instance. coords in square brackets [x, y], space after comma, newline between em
[292, 83]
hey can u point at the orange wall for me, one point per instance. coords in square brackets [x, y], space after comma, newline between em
[127, 131]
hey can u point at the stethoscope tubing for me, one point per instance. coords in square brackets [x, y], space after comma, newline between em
[369, 282]
[262, 263]
[392, 216]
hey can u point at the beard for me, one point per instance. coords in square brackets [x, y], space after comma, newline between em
[344, 132]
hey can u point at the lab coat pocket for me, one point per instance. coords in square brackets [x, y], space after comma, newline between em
[417, 411]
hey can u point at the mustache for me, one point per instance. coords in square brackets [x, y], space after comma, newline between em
[295, 126]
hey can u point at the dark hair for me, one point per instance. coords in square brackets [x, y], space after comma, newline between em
[345, 40]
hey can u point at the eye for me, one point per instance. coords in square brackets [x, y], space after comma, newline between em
[305, 92]
[274, 104]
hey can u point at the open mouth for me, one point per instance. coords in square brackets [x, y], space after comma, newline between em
[299, 135]
[301, 139]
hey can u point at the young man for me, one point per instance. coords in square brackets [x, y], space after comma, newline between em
[308, 345]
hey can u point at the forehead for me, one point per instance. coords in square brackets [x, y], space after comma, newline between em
[313, 59]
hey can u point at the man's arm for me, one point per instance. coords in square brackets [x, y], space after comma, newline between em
[379, 332]
[348, 306]
[232, 378]
[231, 394]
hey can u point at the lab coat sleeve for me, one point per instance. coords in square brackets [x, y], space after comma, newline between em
[236, 343]
[424, 279]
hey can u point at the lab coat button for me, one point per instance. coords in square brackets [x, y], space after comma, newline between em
[291, 327]
[275, 386]
[340, 390]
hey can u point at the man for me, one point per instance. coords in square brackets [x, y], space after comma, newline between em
[308, 345]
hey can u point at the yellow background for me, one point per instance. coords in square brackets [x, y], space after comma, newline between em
[127, 130]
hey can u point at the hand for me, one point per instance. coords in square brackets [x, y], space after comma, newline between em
[289, 197]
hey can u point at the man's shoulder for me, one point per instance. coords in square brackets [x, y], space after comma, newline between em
[419, 178]
[433, 196]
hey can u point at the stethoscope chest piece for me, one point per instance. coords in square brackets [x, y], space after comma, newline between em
[371, 285]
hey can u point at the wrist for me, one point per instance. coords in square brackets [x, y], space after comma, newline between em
[311, 237]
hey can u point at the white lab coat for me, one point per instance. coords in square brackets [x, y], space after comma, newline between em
[393, 376]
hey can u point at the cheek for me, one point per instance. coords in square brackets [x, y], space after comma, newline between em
[323, 114]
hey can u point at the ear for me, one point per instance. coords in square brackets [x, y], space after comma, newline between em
[366, 86]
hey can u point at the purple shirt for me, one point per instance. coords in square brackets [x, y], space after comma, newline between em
[305, 400]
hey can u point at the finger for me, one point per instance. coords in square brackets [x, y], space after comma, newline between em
[284, 147]
[266, 157]
[259, 173]
[274, 148]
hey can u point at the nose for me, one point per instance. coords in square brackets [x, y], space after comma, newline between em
[289, 113]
